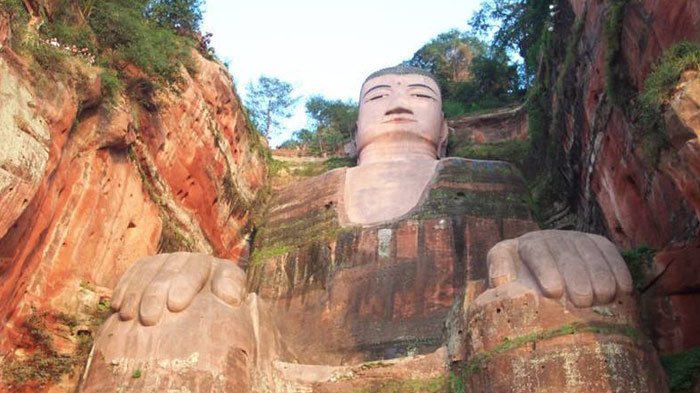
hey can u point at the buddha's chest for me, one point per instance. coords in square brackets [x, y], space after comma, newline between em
[391, 285]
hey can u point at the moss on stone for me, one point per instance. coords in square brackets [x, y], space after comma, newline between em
[267, 253]
[639, 260]
[480, 360]
[445, 202]
[658, 87]
[664, 77]
[514, 151]
[617, 85]
[172, 238]
[428, 385]
[683, 370]
[44, 365]
[317, 225]
[479, 171]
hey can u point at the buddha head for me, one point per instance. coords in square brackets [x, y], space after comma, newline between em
[401, 106]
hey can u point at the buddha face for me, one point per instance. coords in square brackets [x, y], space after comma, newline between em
[400, 107]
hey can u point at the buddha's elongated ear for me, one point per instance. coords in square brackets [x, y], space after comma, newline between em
[442, 145]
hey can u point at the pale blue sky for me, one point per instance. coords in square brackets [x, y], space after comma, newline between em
[322, 46]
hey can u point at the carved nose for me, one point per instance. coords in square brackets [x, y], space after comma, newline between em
[398, 110]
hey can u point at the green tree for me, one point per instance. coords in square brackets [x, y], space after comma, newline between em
[303, 138]
[472, 75]
[333, 120]
[515, 25]
[448, 56]
[332, 124]
[269, 100]
[184, 16]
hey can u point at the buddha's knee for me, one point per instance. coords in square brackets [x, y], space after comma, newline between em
[517, 337]
[209, 345]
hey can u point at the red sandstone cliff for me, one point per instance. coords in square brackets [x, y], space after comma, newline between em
[87, 188]
[618, 188]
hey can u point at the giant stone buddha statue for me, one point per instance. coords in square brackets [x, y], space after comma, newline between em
[406, 258]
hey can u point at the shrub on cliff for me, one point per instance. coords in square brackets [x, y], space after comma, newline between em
[183, 16]
[155, 35]
[658, 87]
[663, 78]
[16, 14]
[125, 34]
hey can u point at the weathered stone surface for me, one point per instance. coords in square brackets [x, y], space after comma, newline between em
[217, 345]
[345, 294]
[86, 193]
[672, 297]
[501, 125]
[24, 151]
[622, 187]
[517, 341]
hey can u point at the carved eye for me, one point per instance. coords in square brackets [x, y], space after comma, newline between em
[423, 96]
[377, 97]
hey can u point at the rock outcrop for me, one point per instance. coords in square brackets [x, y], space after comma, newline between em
[500, 125]
[87, 187]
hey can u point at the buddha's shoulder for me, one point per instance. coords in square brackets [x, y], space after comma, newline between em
[308, 196]
[466, 170]
[481, 188]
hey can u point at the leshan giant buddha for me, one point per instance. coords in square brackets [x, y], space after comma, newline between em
[431, 265]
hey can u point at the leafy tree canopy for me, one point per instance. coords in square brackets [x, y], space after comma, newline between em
[448, 56]
[269, 101]
[184, 16]
[332, 124]
[515, 25]
[473, 76]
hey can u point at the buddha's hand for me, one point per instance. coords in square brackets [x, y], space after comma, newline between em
[586, 267]
[172, 281]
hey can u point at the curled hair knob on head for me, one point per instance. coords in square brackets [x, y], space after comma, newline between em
[402, 69]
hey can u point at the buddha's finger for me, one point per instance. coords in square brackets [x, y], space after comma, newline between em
[189, 281]
[228, 282]
[573, 270]
[615, 262]
[154, 297]
[535, 254]
[601, 276]
[144, 267]
[502, 261]
[134, 286]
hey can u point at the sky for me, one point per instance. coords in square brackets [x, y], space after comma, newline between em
[324, 47]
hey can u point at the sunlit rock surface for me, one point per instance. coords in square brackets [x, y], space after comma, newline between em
[623, 188]
[89, 188]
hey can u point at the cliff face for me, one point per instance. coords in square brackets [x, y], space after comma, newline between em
[502, 125]
[87, 187]
[634, 194]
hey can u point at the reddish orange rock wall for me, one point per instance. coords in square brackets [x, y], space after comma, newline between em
[620, 188]
[120, 183]
[501, 125]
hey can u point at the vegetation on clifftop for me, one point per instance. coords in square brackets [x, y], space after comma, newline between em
[155, 36]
